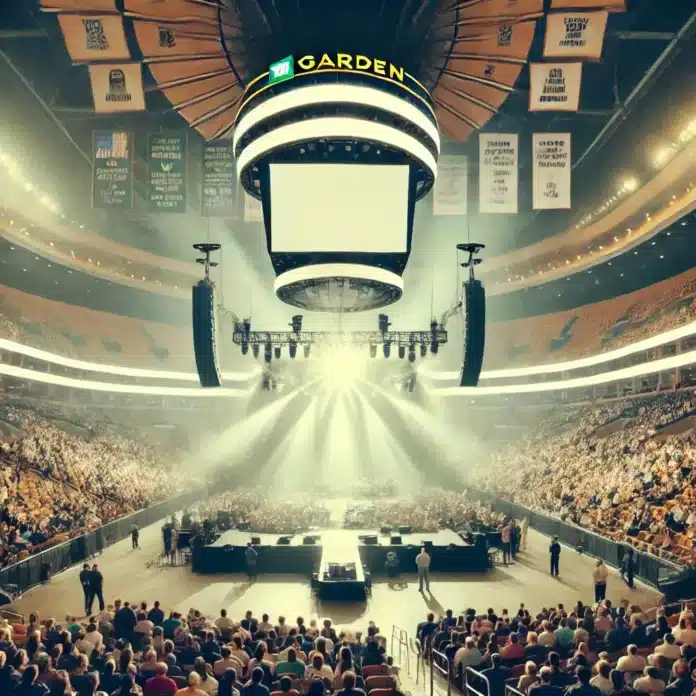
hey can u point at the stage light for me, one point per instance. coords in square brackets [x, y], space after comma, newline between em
[276, 352]
[373, 351]
[296, 323]
[386, 349]
[434, 347]
[412, 353]
[423, 349]
[307, 349]
[630, 184]
[245, 348]
[267, 352]
[383, 323]
[402, 352]
[255, 350]
[292, 348]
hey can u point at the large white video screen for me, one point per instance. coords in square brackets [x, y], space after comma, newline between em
[339, 208]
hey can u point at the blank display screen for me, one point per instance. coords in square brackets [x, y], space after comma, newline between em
[339, 208]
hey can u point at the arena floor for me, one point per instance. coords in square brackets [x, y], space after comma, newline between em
[127, 575]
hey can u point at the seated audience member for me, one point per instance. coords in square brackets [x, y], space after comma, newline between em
[160, 684]
[468, 655]
[349, 686]
[513, 650]
[192, 688]
[318, 669]
[631, 662]
[254, 687]
[583, 686]
[547, 637]
[668, 648]
[207, 683]
[603, 678]
[545, 687]
[558, 676]
[497, 675]
[227, 684]
[650, 682]
[535, 652]
[529, 677]
[293, 666]
[285, 688]
[683, 685]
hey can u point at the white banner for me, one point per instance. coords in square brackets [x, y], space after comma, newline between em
[575, 35]
[253, 211]
[117, 88]
[450, 192]
[551, 170]
[554, 86]
[498, 160]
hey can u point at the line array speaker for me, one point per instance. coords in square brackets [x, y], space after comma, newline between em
[475, 299]
[204, 344]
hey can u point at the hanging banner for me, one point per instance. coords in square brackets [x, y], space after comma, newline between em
[575, 35]
[554, 86]
[79, 5]
[498, 160]
[450, 192]
[218, 196]
[611, 5]
[166, 173]
[94, 38]
[117, 88]
[253, 211]
[112, 170]
[551, 170]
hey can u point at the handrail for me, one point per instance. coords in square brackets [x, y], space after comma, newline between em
[417, 650]
[401, 637]
[468, 688]
[443, 671]
[512, 691]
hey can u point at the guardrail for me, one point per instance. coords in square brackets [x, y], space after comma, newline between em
[440, 664]
[400, 636]
[471, 675]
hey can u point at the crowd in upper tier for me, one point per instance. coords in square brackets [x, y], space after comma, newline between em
[610, 468]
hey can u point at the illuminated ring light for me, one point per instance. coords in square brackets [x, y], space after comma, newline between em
[332, 127]
[386, 287]
[335, 94]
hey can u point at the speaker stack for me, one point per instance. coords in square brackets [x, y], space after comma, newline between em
[475, 300]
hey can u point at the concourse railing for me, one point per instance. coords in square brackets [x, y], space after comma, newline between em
[476, 683]
[399, 637]
[440, 664]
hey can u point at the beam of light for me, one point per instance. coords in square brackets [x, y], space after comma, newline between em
[640, 346]
[340, 367]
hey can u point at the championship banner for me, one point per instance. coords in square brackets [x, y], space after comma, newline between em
[112, 170]
[117, 88]
[450, 192]
[498, 160]
[166, 173]
[94, 38]
[253, 211]
[79, 5]
[218, 197]
[611, 5]
[575, 35]
[554, 86]
[551, 170]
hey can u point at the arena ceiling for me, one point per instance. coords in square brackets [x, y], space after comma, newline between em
[644, 80]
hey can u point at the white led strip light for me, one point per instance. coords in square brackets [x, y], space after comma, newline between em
[338, 270]
[335, 94]
[335, 127]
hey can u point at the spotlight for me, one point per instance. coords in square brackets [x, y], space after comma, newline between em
[276, 351]
[246, 327]
[412, 353]
[307, 348]
[267, 352]
[386, 349]
[373, 351]
[296, 323]
[245, 348]
[434, 347]
[402, 352]
[383, 323]
[423, 349]
[292, 349]
[255, 350]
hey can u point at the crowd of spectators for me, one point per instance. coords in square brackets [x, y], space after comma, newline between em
[56, 482]
[610, 470]
[135, 649]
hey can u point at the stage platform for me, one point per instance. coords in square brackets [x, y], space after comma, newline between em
[448, 551]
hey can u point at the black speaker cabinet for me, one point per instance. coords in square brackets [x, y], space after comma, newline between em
[283, 541]
[385, 530]
[475, 302]
[256, 541]
[395, 540]
[369, 540]
[404, 529]
[204, 345]
[309, 541]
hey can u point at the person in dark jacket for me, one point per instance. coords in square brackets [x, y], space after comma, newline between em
[545, 687]
[96, 582]
[124, 622]
[497, 676]
[252, 559]
[555, 554]
[583, 687]
[85, 581]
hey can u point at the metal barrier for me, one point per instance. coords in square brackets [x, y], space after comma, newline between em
[417, 650]
[512, 691]
[471, 674]
[444, 671]
[401, 637]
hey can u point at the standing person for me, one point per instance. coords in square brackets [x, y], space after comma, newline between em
[174, 541]
[135, 535]
[166, 538]
[86, 582]
[97, 585]
[555, 552]
[252, 559]
[514, 539]
[505, 535]
[600, 575]
[627, 566]
[423, 563]
[524, 527]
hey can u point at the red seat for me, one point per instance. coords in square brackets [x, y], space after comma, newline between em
[378, 682]
[374, 670]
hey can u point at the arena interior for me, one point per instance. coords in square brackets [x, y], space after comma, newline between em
[416, 413]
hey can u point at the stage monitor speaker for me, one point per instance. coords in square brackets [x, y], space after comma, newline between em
[395, 540]
[404, 529]
[224, 519]
[428, 545]
[204, 324]
[309, 541]
[284, 541]
[475, 302]
[385, 530]
[369, 540]
[256, 541]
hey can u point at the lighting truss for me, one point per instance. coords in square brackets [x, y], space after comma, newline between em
[395, 338]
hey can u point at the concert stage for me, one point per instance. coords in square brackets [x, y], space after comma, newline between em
[339, 547]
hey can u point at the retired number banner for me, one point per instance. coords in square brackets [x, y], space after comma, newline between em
[498, 161]
[94, 38]
[218, 199]
[117, 88]
[166, 173]
[450, 192]
[575, 35]
[554, 86]
[552, 168]
[112, 170]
